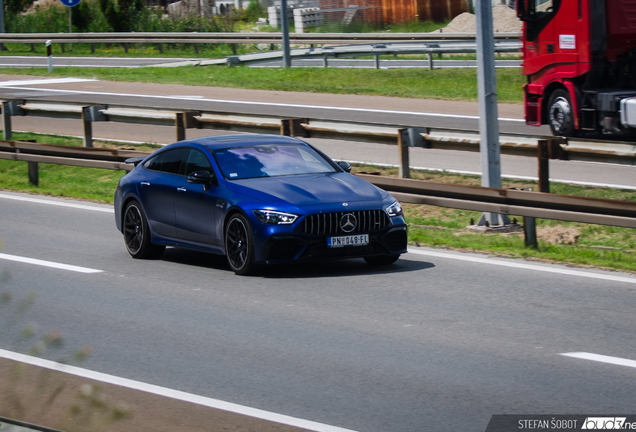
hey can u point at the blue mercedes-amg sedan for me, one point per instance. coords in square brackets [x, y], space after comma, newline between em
[257, 199]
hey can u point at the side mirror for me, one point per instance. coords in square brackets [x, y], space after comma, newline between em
[344, 165]
[521, 10]
[201, 177]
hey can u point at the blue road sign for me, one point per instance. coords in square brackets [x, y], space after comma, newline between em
[70, 3]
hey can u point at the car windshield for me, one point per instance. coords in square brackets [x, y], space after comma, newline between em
[270, 160]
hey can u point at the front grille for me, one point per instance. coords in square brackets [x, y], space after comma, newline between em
[329, 223]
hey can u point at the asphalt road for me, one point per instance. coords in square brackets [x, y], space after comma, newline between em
[440, 341]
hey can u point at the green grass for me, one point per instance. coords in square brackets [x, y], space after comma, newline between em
[446, 84]
[596, 245]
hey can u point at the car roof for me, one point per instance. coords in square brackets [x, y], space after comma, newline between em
[241, 140]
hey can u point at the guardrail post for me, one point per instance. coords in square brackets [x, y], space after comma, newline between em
[126, 47]
[325, 62]
[376, 62]
[180, 127]
[530, 231]
[10, 108]
[92, 48]
[160, 46]
[6, 121]
[87, 126]
[403, 153]
[430, 61]
[293, 127]
[184, 120]
[544, 166]
[89, 115]
[34, 173]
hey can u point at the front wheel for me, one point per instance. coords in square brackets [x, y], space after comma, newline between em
[238, 245]
[137, 233]
[381, 260]
[561, 115]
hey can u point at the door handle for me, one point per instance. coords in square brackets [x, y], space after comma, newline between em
[181, 189]
[145, 183]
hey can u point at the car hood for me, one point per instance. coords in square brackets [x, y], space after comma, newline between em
[303, 190]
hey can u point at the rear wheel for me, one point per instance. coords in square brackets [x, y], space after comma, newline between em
[137, 233]
[561, 115]
[381, 260]
[238, 245]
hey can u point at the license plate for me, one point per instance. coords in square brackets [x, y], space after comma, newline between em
[353, 240]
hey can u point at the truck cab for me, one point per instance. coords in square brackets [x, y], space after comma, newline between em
[579, 57]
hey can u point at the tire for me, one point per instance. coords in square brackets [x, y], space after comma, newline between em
[137, 233]
[238, 245]
[561, 114]
[381, 260]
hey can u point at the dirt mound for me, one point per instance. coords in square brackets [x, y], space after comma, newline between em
[504, 20]
[558, 234]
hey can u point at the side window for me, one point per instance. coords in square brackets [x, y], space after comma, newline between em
[174, 160]
[197, 161]
[540, 13]
[154, 164]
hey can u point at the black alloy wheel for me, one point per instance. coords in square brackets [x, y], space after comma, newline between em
[381, 260]
[561, 115]
[137, 233]
[238, 245]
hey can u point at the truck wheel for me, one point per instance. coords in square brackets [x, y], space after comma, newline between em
[561, 115]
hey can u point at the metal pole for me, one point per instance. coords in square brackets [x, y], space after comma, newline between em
[284, 27]
[70, 26]
[49, 54]
[487, 92]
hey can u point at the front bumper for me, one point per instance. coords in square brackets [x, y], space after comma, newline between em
[293, 248]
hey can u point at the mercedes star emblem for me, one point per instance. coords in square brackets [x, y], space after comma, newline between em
[348, 222]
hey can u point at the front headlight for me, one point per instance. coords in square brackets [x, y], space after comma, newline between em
[274, 217]
[394, 209]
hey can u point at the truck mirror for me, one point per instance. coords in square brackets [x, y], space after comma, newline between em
[521, 9]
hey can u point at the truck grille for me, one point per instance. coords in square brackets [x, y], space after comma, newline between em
[329, 223]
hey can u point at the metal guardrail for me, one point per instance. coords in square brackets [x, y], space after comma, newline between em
[502, 201]
[404, 136]
[361, 50]
[240, 38]
[510, 201]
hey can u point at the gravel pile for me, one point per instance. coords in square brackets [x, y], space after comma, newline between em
[504, 20]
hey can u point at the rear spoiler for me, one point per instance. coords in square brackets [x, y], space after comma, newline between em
[134, 160]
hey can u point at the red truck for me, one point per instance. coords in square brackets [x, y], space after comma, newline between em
[579, 57]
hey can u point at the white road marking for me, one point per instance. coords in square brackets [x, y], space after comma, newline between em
[520, 265]
[44, 81]
[57, 203]
[48, 264]
[173, 394]
[602, 358]
[285, 105]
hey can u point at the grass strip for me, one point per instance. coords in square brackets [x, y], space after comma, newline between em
[443, 84]
[564, 242]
